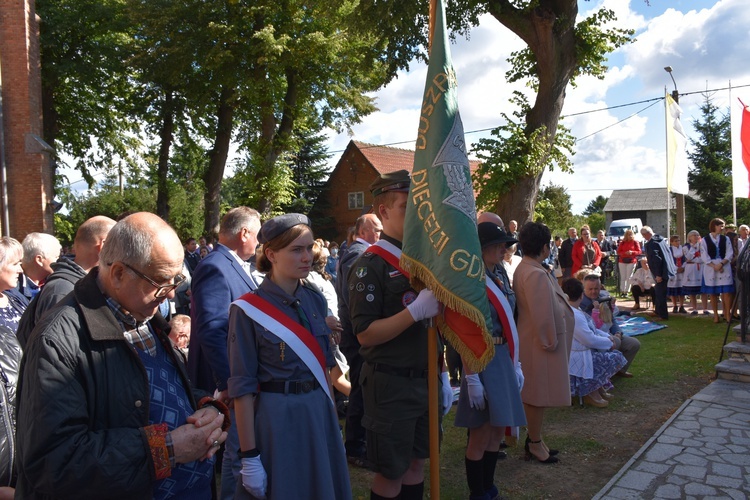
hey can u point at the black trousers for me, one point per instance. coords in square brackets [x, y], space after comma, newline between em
[660, 300]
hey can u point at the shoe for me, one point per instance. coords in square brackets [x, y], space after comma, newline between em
[682, 310]
[706, 313]
[360, 461]
[636, 308]
[501, 455]
[718, 319]
[694, 313]
[607, 395]
[675, 310]
[529, 455]
[597, 403]
[624, 374]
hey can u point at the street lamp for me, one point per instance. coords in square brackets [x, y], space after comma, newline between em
[675, 94]
[679, 198]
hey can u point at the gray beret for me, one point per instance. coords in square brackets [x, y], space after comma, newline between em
[274, 227]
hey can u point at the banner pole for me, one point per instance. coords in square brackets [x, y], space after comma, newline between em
[432, 387]
[432, 361]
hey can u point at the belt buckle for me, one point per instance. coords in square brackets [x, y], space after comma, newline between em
[307, 386]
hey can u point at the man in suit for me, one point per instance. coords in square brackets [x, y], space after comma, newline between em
[367, 230]
[662, 266]
[219, 279]
[565, 256]
[192, 255]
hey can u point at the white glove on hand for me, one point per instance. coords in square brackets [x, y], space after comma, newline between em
[476, 391]
[519, 376]
[447, 392]
[424, 306]
[254, 477]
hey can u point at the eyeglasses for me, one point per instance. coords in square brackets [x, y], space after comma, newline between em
[161, 290]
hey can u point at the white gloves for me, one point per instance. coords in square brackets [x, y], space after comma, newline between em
[476, 391]
[447, 392]
[424, 306]
[254, 477]
[519, 376]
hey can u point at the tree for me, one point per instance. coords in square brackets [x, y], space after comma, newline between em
[711, 173]
[558, 50]
[553, 208]
[87, 92]
[595, 206]
[309, 167]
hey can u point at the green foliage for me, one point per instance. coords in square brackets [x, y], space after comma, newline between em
[711, 173]
[593, 42]
[596, 206]
[87, 90]
[65, 232]
[309, 170]
[512, 153]
[553, 208]
[252, 183]
[596, 222]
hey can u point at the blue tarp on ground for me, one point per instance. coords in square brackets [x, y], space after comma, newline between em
[635, 325]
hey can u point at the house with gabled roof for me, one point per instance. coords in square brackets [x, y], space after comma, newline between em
[346, 194]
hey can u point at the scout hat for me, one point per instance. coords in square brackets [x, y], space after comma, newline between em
[274, 227]
[491, 234]
[394, 181]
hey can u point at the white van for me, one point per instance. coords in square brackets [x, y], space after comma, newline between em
[618, 227]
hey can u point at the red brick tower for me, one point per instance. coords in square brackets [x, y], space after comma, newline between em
[27, 159]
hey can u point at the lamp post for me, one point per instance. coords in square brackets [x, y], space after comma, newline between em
[679, 198]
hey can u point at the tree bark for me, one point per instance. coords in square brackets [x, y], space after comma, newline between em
[217, 160]
[167, 135]
[549, 32]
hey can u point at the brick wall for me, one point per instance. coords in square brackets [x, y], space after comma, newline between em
[29, 173]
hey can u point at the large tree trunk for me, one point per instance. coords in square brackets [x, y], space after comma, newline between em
[217, 161]
[166, 135]
[549, 32]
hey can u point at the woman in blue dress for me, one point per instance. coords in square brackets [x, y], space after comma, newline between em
[279, 358]
[491, 400]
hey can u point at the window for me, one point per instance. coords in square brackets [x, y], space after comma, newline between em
[356, 200]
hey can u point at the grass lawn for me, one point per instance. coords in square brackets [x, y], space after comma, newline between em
[672, 365]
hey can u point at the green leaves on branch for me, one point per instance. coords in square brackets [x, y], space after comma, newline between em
[513, 154]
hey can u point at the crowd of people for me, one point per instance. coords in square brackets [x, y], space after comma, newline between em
[133, 358]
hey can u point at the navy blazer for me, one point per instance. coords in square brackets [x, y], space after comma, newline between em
[219, 280]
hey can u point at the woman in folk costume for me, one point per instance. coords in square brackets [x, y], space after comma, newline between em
[491, 400]
[692, 278]
[674, 284]
[716, 254]
[279, 358]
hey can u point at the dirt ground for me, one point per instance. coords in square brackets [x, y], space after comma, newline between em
[600, 443]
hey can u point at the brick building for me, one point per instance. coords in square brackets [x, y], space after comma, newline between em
[24, 157]
[346, 194]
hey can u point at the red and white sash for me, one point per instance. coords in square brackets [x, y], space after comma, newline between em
[389, 252]
[296, 336]
[505, 313]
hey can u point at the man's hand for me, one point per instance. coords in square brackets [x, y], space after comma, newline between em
[334, 325]
[658, 279]
[424, 306]
[200, 437]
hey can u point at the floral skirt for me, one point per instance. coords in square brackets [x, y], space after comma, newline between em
[606, 364]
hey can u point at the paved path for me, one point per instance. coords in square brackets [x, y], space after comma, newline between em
[701, 452]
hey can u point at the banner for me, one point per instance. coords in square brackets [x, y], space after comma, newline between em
[677, 159]
[740, 117]
[441, 248]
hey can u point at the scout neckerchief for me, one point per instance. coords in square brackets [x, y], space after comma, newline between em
[504, 312]
[296, 336]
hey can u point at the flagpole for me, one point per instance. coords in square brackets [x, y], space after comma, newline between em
[432, 356]
[734, 198]
[666, 142]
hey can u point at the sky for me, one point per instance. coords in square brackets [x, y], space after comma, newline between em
[703, 41]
